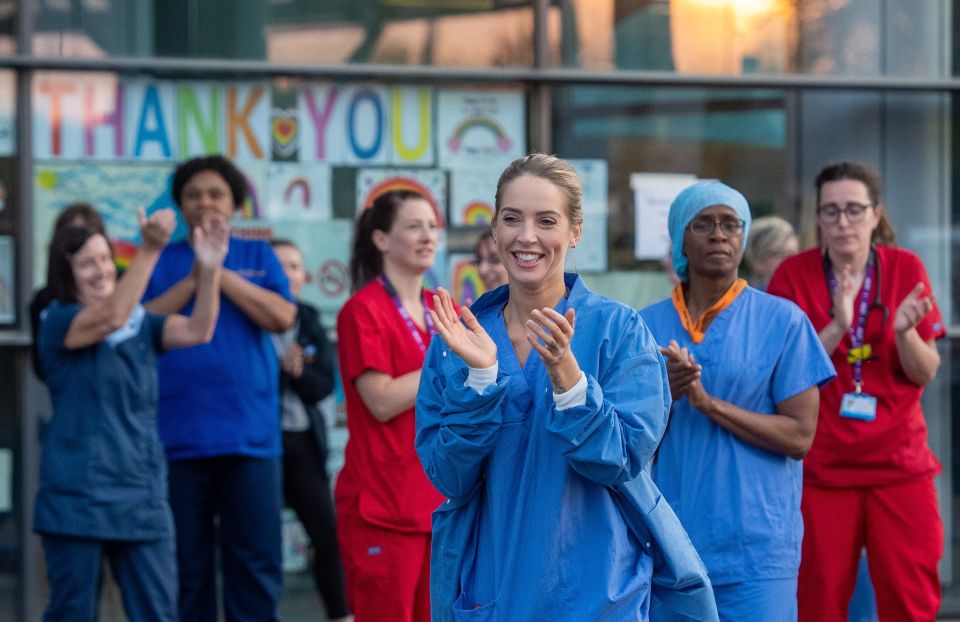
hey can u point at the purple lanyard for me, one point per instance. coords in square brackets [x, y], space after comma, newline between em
[859, 326]
[411, 326]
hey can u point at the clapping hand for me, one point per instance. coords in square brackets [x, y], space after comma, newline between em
[550, 334]
[210, 242]
[843, 298]
[466, 338]
[682, 369]
[155, 231]
[912, 310]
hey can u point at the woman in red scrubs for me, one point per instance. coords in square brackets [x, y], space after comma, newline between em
[868, 480]
[384, 501]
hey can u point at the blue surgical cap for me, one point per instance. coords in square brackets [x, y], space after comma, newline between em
[691, 202]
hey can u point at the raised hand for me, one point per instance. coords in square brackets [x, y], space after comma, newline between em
[210, 242]
[466, 338]
[549, 333]
[682, 370]
[155, 231]
[912, 310]
[844, 297]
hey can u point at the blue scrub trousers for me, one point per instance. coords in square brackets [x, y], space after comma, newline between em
[766, 600]
[145, 572]
[236, 501]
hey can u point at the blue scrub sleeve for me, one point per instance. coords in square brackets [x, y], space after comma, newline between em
[612, 437]
[456, 426]
[55, 322]
[803, 362]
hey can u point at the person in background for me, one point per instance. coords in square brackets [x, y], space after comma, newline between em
[488, 263]
[771, 240]
[384, 500]
[540, 399]
[868, 481]
[73, 215]
[745, 370]
[219, 405]
[306, 364]
[102, 492]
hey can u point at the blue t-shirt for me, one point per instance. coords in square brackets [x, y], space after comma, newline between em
[739, 503]
[221, 398]
[102, 470]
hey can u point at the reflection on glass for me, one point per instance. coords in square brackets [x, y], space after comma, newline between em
[8, 21]
[472, 33]
[8, 113]
[736, 136]
[501, 35]
[734, 37]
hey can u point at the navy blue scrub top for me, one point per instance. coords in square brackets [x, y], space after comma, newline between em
[103, 474]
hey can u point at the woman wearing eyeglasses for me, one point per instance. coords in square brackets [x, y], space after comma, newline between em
[745, 370]
[868, 481]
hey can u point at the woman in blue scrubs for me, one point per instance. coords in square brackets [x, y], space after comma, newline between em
[745, 369]
[534, 406]
[103, 492]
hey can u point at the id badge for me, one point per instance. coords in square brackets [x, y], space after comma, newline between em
[858, 406]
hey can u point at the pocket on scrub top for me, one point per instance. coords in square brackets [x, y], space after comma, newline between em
[466, 611]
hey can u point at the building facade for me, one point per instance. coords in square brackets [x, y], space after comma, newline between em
[325, 102]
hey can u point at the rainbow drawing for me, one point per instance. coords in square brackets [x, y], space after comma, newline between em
[404, 183]
[456, 137]
[467, 285]
[251, 208]
[298, 183]
[123, 253]
[478, 213]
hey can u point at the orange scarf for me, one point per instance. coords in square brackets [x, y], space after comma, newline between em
[698, 329]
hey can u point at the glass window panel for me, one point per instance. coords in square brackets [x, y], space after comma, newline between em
[738, 136]
[733, 37]
[8, 22]
[11, 503]
[477, 33]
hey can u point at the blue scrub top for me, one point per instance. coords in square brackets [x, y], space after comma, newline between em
[545, 539]
[739, 503]
[222, 398]
[102, 470]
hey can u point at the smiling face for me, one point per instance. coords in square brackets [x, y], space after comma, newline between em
[843, 238]
[292, 261]
[411, 243]
[94, 272]
[533, 232]
[206, 196]
[715, 255]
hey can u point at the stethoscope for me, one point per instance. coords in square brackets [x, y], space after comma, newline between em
[876, 303]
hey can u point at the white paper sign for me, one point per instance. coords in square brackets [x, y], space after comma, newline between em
[652, 195]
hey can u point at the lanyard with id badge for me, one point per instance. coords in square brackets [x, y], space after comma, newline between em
[859, 405]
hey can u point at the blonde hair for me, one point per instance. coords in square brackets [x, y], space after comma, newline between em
[768, 237]
[551, 168]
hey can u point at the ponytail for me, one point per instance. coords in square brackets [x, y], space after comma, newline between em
[884, 232]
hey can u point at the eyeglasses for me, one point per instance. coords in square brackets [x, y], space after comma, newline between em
[493, 259]
[830, 213]
[704, 227]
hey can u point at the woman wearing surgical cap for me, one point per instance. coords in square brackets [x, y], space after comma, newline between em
[745, 370]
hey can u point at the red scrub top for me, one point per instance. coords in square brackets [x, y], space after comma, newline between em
[381, 467]
[893, 447]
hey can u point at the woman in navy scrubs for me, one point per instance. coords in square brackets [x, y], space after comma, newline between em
[103, 490]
